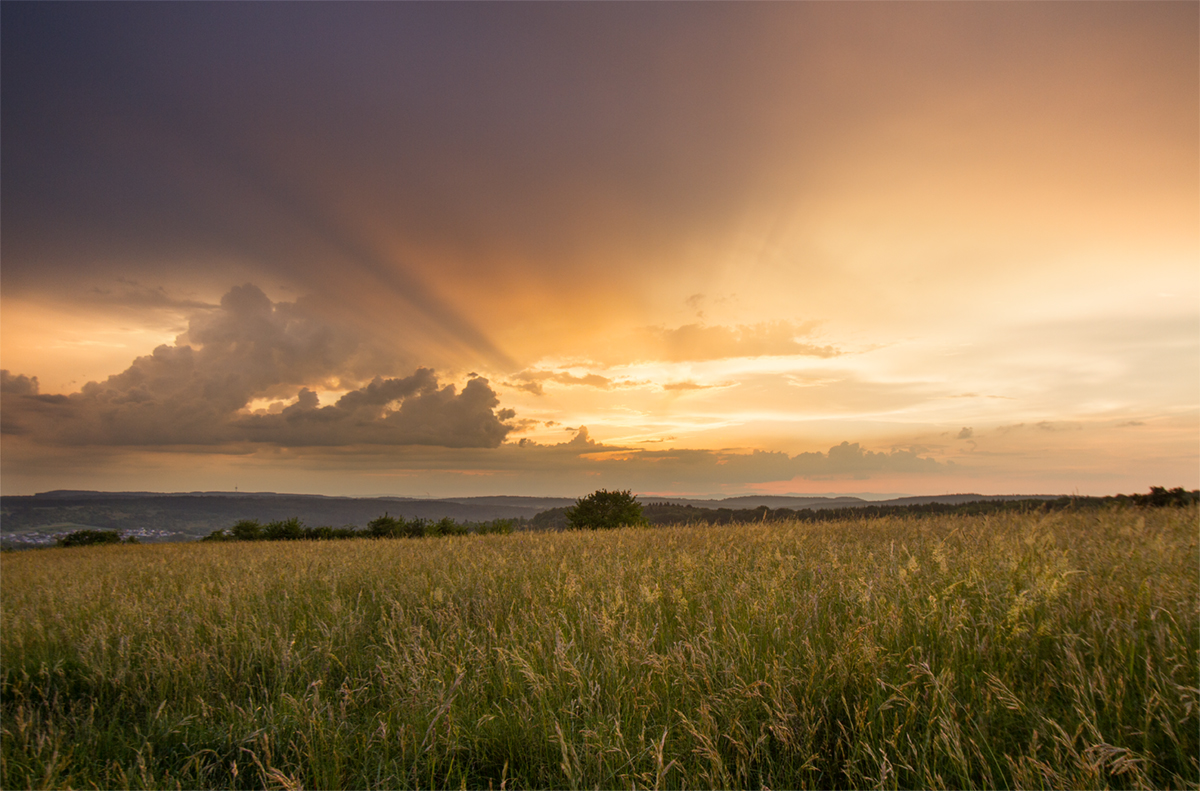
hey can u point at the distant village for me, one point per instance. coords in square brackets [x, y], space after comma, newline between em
[39, 539]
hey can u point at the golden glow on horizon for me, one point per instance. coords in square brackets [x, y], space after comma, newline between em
[66, 347]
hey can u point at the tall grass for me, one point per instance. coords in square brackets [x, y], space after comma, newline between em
[943, 652]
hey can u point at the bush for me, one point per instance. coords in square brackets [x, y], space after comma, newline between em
[496, 526]
[83, 538]
[445, 527]
[1160, 497]
[605, 509]
[246, 530]
[329, 533]
[385, 526]
[284, 530]
[392, 527]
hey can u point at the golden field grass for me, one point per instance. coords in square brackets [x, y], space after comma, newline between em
[1012, 650]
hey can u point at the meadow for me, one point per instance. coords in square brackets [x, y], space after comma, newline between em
[1036, 650]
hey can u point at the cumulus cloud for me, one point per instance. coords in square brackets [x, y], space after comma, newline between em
[409, 411]
[196, 392]
[21, 397]
[695, 342]
[966, 433]
[18, 385]
[582, 441]
[852, 458]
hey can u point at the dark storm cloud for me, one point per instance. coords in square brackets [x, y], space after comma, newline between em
[16, 389]
[196, 391]
[409, 411]
[19, 384]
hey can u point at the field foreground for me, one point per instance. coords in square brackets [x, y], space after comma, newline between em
[1009, 650]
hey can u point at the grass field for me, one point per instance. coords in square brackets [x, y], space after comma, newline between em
[1010, 650]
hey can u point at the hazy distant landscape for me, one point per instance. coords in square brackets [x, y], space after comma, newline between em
[38, 520]
[186, 517]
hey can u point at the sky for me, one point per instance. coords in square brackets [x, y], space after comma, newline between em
[701, 249]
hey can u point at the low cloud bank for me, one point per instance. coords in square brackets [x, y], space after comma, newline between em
[197, 391]
[641, 468]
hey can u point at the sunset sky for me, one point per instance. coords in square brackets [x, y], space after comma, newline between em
[540, 249]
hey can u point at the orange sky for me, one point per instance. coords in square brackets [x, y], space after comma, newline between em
[859, 247]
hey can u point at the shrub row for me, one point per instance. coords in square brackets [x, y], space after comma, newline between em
[83, 538]
[383, 527]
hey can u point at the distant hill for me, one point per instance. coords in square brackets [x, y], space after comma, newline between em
[665, 511]
[35, 519]
[737, 510]
[843, 501]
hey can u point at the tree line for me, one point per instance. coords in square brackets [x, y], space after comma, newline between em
[604, 509]
[600, 509]
[385, 526]
[663, 513]
[83, 538]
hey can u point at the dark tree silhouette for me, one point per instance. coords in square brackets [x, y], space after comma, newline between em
[83, 538]
[605, 509]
